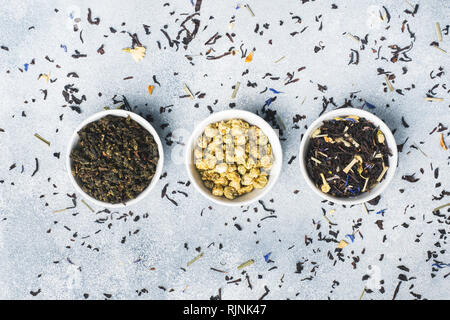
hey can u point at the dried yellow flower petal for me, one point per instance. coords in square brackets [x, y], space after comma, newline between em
[137, 53]
[356, 118]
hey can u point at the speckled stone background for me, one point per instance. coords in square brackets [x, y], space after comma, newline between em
[336, 53]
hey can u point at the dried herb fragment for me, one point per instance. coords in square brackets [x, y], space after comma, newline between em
[42, 139]
[246, 264]
[236, 88]
[195, 259]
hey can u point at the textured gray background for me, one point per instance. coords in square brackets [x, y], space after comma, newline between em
[48, 255]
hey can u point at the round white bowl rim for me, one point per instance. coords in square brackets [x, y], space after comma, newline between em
[390, 142]
[120, 113]
[251, 118]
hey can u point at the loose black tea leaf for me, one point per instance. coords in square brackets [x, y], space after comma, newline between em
[410, 178]
[404, 123]
[347, 156]
[37, 167]
[115, 159]
[90, 20]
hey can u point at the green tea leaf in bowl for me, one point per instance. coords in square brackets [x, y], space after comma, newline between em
[115, 159]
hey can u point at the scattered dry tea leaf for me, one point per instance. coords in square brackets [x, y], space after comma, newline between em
[410, 178]
[236, 88]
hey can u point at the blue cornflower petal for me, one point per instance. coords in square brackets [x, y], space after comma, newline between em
[275, 91]
[269, 101]
[351, 237]
[441, 265]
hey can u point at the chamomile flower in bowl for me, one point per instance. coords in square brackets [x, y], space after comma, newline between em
[233, 157]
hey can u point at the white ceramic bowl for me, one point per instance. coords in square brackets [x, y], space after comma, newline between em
[120, 113]
[252, 119]
[379, 188]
